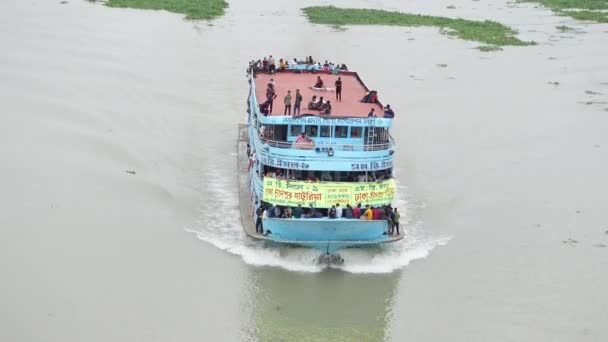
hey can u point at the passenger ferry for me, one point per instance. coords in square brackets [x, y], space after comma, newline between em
[303, 174]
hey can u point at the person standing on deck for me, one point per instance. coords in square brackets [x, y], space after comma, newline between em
[251, 160]
[348, 212]
[389, 217]
[369, 215]
[298, 103]
[270, 96]
[339, 89]
[259, 228]
[338, 210]
[332, 212]
[370, 115]
[271, 65]
[376, 213]
[357, 211]
[297, 212]
[287, 101]
[396, 216]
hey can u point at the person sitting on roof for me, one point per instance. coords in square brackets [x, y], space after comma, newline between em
[319, 83]
[326, 108]
[367, 97]
[374, 98]
[370, 97]
[388, 112]
[264, 108]
[318, 105]
[313, 104]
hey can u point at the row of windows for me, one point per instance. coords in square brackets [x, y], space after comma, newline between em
[325, 131]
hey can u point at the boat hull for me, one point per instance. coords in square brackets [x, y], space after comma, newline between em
[328, 235]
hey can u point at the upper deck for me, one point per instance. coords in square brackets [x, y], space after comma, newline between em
[346, 139]
[353, 91]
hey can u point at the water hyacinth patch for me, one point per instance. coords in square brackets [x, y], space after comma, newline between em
[487, 32]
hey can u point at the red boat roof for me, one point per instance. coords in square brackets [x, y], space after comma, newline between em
[353, 91]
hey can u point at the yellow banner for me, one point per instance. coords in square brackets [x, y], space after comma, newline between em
[324, 195]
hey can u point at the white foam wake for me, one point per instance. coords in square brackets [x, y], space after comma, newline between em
[222, 228]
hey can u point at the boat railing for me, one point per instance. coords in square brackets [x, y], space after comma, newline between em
[326, 147]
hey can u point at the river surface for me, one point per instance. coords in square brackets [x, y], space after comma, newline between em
[119, 217]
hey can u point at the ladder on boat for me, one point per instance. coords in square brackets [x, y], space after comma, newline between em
[371, 135]
[376, 136]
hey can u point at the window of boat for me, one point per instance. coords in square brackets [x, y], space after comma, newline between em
[311, 131]
[279, 132]
[341, 131]
[355, 132]
[325, 131]
[295, 130]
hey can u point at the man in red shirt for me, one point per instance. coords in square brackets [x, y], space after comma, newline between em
[376, 213]
[357, 211]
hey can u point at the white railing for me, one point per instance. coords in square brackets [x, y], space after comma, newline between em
[327, 146]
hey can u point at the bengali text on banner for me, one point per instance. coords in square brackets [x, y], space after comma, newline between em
[325, 194]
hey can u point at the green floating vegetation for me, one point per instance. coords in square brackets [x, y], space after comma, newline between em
[569, 4]
[578, 9]
[564, 28]
[487, 32]
[489, 48]
[193, 9]
[598, 17]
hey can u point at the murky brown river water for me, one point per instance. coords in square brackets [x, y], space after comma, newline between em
[502, 175]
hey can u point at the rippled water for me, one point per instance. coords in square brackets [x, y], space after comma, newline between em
[501, 166]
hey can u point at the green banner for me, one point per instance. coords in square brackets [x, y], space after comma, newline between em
[325, 194]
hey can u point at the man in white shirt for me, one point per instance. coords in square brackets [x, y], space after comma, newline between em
[361, 178]
[338, 210]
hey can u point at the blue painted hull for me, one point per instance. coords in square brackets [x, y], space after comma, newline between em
[328, 235]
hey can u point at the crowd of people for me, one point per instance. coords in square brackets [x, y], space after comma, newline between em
[315, 177]
[385, 212]
[270, 66]
[296, 99]
[388, 112]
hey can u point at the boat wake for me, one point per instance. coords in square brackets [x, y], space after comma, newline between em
[222, 228]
